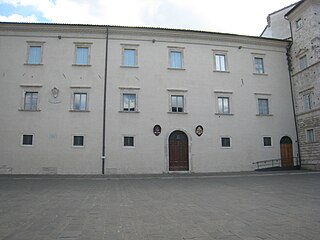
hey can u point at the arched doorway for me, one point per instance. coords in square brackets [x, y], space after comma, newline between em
[178, 151]
[286, 152]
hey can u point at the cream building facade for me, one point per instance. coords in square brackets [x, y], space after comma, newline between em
[84, 99]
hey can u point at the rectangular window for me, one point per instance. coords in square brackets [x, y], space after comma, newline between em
[263, 106]
[128, 141]
[129, 57]
[220, 62]
[259, 66]
[267, 142]
[31, 101]
[129, 102]
[176, 59]
[177, 103]
[223, 105]
[82, 56]
[303, 62]
[78, 141]
[310, 135]
[226, 142]
[34, 55]
[80, 101]
[299, 24]
[307, 102]
[27, 140]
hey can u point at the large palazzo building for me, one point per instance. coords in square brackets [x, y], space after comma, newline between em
[86, 99]
[300, 23]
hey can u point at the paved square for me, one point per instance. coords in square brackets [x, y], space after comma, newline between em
[224, 206]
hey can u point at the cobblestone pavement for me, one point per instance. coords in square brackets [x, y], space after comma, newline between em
[251, 206]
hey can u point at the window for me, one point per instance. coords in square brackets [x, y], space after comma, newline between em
[82, 54]
[307, 102]
[259, 66]
[263, 106]
[225, 142]
[30, 101]
[27, 140]
[78, 141]
[303, 62]
[177, 103]
[220, 62]
[310, 135]
[299, 24]
[80, 101]
[34, 54]
[223, 105]
[130, 56]
[129, 102]
[267, 142]
[176, 58]
[128, 141]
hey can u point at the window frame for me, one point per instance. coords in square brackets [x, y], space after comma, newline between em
[128, 136]
[78, 45]
[223, 94]
[178, 93]
[308, 140]
[303, 62]
[225, 55]
[221, 142]
[263, 142]
[307, 96]
[80, 90]
[299, 23]
[123, 102]
[31, 44]
[83, 140]
[129, 91]
[22, 140]
[263, 96]
[129, 47]
[178, 50]
[28, 88]
[31, 109]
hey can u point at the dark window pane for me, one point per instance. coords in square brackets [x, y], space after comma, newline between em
[78, 141]
[27, 140]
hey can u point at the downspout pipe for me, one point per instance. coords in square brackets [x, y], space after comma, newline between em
[103, 156]
[292, 94]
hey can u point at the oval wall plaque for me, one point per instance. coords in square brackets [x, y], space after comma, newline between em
[157, 130]
[199, 130]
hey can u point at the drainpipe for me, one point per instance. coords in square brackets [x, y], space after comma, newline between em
[103, 157]
[292, 94]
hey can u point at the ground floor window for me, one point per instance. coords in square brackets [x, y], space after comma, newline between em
[267, 142]
[78, 141]
[225, 142]
[128, 141]
[27, 140]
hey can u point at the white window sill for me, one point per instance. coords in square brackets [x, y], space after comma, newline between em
[81, 65]
[268, 146]
[224, 114]
[26, 110]
[129, 147]
[72, 110]
[264, 115]
[127, 66]
[121, 111]
[27, 146]
[219, 71]
[34, 64]
[178, 112]
[77, 147]
[261, 74]
[226, 147]
[171, 68]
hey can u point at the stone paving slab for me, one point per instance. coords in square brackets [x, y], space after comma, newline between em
[236, 206]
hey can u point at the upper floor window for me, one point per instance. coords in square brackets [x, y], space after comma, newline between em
[80, 101]
[303, 62]
[224, 105]
[82, 54]
[299, 24]
[176, 58]
[130, 56]
[177, 103]
[34, 54]
[31, 101]
[259, 65]
[263, 106]
[310, 135]
[307, 101]
[220, 60]
[129, 102]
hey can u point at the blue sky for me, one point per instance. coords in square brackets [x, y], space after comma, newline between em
[247, 17]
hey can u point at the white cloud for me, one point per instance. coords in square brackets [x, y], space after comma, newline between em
[234, 16]
[18, 18]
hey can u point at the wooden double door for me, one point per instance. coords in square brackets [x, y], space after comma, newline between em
[178, 151]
